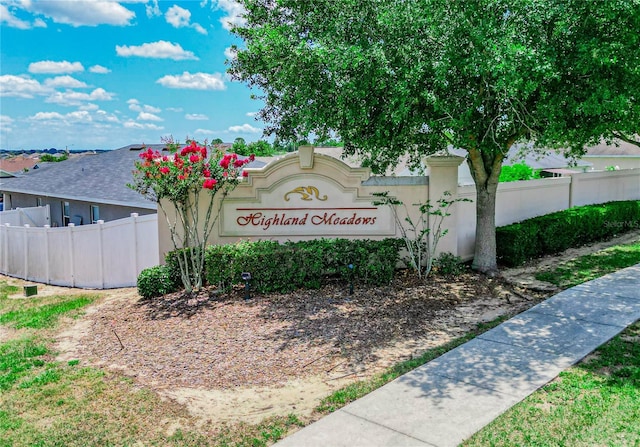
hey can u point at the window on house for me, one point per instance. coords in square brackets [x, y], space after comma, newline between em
[39, 201]
[66, 213]
[95, 214]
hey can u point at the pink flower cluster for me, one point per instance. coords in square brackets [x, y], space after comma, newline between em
[232, 159]
[194, 149]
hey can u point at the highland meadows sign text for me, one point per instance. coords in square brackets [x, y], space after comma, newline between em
[267, 218]
[309, 210]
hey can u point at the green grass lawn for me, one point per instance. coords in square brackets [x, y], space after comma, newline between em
[588, 267]
[595, 403]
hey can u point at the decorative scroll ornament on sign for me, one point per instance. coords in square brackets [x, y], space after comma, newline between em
[307, 193]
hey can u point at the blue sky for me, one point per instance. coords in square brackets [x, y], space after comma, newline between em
[102, 74]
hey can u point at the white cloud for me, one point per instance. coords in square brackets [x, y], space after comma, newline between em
[135, 105]
[181, 18]
[82, 12]
[233, 10]
[99, 69]
[7, 18]
[77, 116]
[21, 87]
[135, 125]
[196, 117]
[204, 132]
[90, 107]
[6, 123]
[199, 28]
[230, 53]
[152, 9]
[245, 128]
[82, 116]
[157, 50]
[178, 17]
[6, 119]
[174, 109]
[101, 115]
[252, 114]
[55, 67]
[71, 98]
[145, 116]
[47, 116]
[196, 81]
[64, 81]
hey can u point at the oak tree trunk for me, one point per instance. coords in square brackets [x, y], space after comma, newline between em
[484, 259]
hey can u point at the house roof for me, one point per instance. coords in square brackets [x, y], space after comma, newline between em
[619, 148]
[91, 177]
[17, 164]
[548, 160]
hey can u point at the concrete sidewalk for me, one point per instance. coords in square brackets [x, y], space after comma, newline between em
[448, 399]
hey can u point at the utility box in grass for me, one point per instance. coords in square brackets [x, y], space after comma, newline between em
[30, 290]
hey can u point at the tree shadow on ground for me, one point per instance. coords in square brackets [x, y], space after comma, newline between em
[372, 317]
[179, 304]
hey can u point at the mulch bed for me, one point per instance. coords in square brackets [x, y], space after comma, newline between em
[225, 341]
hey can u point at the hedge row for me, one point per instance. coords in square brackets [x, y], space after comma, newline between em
[276, 267]
[555, 232]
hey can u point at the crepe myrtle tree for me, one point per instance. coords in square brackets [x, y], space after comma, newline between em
[414, 77]
[177, 180]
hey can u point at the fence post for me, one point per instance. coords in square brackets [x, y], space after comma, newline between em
[47, 270]
[5, 251]
[443, 177]
[101, 251]
[72, 251]
[25, 245]
[134, 216]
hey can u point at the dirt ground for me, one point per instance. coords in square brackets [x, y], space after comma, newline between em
[230, 359]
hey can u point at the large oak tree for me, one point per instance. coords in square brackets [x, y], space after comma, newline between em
[416, 77]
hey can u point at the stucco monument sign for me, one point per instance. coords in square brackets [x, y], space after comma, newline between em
[308, 195]
[306, 205]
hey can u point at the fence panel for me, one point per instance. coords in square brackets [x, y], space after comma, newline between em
[147, 242]
[105, 255]
[517, 201]
[16, 250]
[119, 253]
[60, 260]
[606, 186]
[36, 254]
[38, 216]
[87, 261]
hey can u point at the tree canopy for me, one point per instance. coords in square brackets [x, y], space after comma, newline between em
[396, 77]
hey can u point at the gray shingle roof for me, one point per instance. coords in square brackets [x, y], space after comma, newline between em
[100, 178]
[621, 148]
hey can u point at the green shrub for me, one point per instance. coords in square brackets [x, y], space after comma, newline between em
[555, 232]
[517, 172]
[516, 243]
[448, 264]
[53, 158]
[156, 281]
[285, 267]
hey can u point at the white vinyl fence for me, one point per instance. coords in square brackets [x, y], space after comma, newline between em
[100, 256]
[38, 216]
